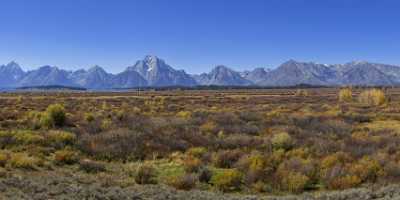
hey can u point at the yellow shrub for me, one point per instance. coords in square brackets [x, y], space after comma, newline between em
[344, 182]
[54, 116]
[184, 114]
[345, 95]
[106, 124]
[33, 119]
[366, 169]
[295, 182]
[301, 92]
[23, 160]
[208, 127]
[227, 180]
[89, 117]
[28, 137]
[282, 141]
[260, 187]
[374, 97]
[299, 152]
[62, 137]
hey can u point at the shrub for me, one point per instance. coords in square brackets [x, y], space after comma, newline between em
[227, 180]
[145, 174]
[65, 156]
[184, 114]
[345, 95]
[344, 182]
[260, 187]
[226, 158]
[28, 137]
[282, 141]
[33, 119]
[254, 167]
[301, 92]
[208, 127]
[4, 157]
[192, 164]
[106, 124]
[23, 160]
[295, 182]
[374, 97]
[54, 116]
[197, 152]
[205, 175]
[91, 166]
[7, 139]
[89, 117]
[184, 182]
[61, 138]
[366, 169]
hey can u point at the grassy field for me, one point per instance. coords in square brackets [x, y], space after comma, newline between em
[234, 142]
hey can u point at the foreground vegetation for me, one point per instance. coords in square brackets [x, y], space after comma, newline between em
[271, 142]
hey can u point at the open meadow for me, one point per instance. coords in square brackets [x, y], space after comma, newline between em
[319, 143]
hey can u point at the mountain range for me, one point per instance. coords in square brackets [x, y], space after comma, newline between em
[155, 72]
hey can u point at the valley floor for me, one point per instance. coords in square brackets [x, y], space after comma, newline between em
[70, 184]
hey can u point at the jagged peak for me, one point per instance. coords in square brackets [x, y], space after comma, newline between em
[96, 68]
[221, 67]
[13, 63]
[152, 59]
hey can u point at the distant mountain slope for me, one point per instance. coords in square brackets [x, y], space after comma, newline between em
[94, 78]
[128, 79]
[257, 76]
[154, 72]
[222, 75]
[364, 73]
[46, 75]
[294, 73]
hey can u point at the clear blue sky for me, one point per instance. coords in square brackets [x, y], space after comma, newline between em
[196, 35]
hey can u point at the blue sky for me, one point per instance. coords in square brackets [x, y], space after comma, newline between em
[196, 35]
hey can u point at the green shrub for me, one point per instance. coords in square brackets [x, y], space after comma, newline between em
[227, 180]
[145, 174]
[197, 152]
